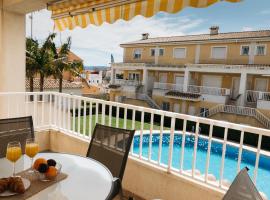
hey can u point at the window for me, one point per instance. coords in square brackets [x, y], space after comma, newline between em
[245, 50]
[204, 112]
[134, 76]
[137, 54]
[161, 52]
[219, 52]
[153, 52]
[166, 106]
[179, 53]
[260, 50]
[119, 76]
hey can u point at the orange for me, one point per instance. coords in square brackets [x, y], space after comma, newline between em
[51, 172]
[38, 162]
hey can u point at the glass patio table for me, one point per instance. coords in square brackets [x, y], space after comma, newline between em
[87, 178]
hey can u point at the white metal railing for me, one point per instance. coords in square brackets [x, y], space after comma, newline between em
[127, 82]
[253, 96]
[51, 110]
[168, 86]
[209, 90]
[238, 110]
[193, 89]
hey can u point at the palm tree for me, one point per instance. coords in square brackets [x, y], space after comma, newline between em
[31, 69]
[61, 62]
[39, 59]
[45, 60]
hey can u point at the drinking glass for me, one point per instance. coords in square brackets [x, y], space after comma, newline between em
[31, 150]
[14, 152]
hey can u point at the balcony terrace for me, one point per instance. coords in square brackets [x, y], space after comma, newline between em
[199, 93]
[173, 156]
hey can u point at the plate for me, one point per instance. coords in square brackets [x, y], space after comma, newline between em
[7, 193]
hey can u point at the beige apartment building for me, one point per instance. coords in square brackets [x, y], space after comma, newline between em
[217, 75]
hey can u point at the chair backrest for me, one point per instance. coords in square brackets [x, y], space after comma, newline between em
[15, 129]
[111, 146]
[242, 188]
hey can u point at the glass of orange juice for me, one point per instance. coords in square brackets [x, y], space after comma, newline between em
[31, 150]
[14, 152]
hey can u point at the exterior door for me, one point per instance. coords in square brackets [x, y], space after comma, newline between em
[163, 78]
[235, 87]
[179, 80]
[261, 84]
[191, 110]
[176, 107]
[151, 80]
[211, 81]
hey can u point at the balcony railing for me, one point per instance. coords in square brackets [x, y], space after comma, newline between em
[168, 86]
[253, 96]
[123, 82]
[166, 135]
[193, 89]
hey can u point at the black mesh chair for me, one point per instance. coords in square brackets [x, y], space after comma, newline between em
[15, 129]
[111, 146]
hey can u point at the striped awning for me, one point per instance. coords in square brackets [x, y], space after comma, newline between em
[72, 13]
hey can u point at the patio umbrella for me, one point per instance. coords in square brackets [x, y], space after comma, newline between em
[72, 13]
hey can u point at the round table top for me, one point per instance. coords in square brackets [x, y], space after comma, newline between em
[87, 178]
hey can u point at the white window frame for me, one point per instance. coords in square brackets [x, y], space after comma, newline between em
[134, 54]
[212, 47]
[241, 52]
[133, 74]
[265, 49]
[180, 48]
[159, 51]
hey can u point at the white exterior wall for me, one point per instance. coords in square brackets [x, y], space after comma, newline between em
[264, 105]
[12, 56]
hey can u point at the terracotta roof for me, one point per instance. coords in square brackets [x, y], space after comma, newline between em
[205, 37]
[72, 56]
[53, 83]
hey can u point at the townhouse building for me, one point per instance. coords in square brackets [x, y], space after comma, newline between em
[217, 75]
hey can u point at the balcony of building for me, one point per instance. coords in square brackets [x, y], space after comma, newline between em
[192, 92]
[173, 156]
[258, 99]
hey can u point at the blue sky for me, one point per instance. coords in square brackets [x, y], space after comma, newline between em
[95, 44]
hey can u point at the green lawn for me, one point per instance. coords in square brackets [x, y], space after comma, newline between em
[121, 123]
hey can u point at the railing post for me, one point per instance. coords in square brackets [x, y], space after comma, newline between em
[170, 156]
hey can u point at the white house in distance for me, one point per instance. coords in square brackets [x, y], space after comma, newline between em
[94, 77]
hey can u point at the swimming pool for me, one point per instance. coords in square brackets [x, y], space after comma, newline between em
[230, 163]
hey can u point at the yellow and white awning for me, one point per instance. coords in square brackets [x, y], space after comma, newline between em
[72, 13]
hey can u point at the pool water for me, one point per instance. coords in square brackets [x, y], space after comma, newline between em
[230, 163]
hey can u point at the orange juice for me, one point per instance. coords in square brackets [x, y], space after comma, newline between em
[31, 149]
[14, 153]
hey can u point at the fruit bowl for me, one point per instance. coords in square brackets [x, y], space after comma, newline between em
[47, 170]
[53, 176]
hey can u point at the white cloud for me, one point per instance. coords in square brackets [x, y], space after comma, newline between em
[95, 44]
[265, 12]
[246, 28]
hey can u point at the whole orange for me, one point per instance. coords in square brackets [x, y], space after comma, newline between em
[38, 162]
[51, 172]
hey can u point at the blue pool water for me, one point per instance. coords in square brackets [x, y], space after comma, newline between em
[230, 164]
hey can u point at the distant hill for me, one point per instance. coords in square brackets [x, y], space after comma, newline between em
[95, 67]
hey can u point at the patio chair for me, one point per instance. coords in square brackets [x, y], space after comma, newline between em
[242, 188]
[111, 146]
[15, 129]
